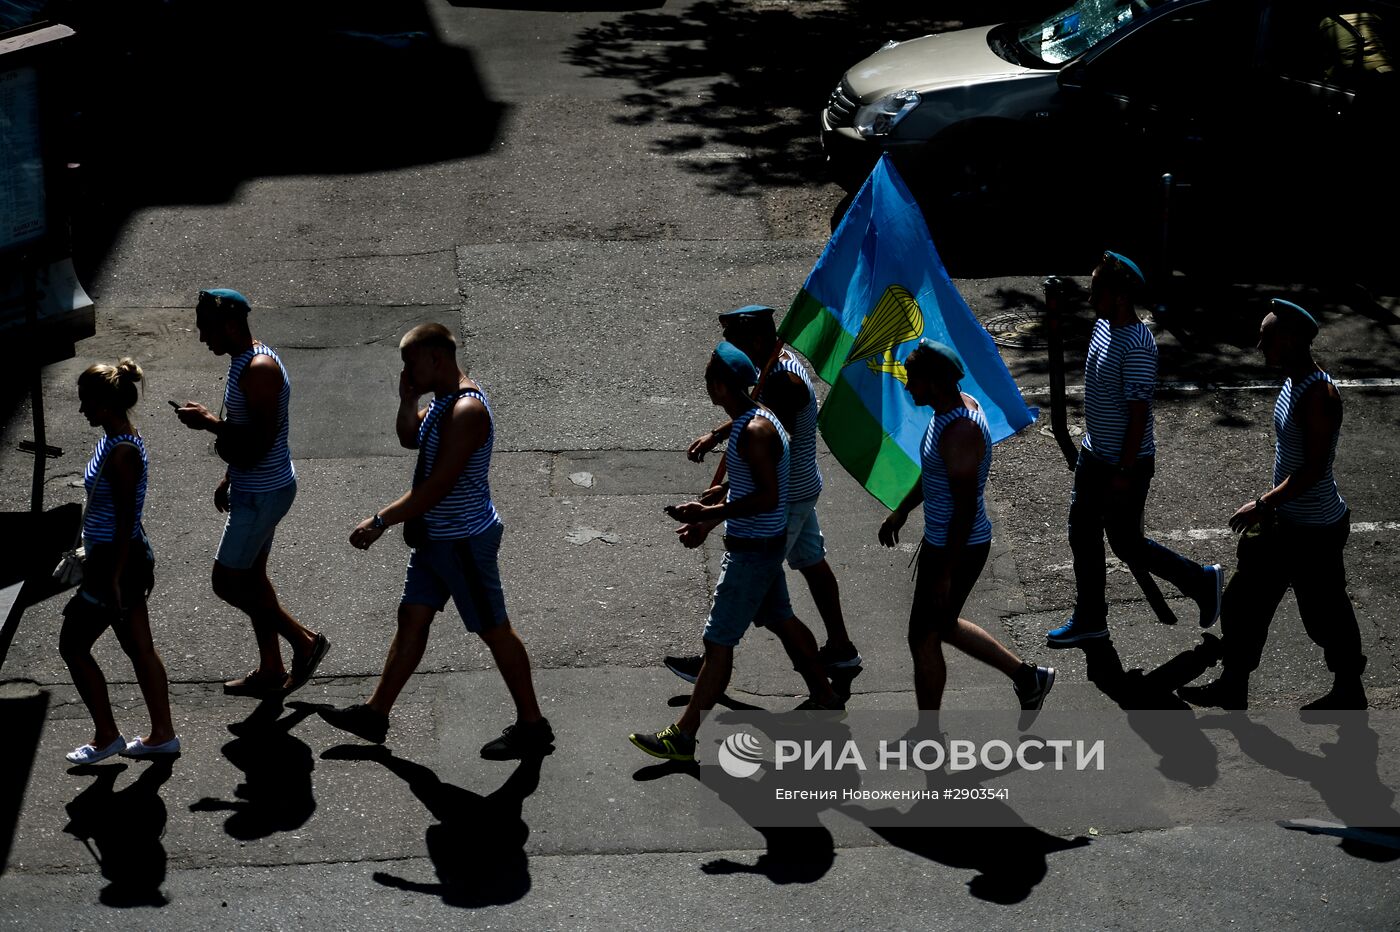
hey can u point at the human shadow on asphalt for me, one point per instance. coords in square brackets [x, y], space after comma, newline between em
[1186, 754]
[275, 795]
[478, 844]
[232, 90]
[1345, 773]
[122, 830]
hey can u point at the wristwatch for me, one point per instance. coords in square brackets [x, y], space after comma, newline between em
[378, 522]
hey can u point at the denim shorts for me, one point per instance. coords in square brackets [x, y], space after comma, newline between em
[94, 595]
[252, 517]
[752, 589]
[465, 570]
[805, 544]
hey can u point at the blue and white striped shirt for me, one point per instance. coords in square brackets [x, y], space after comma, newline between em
[741, 483]
[804, 478]
[938, 499]
[100, 517]
[273, 471]
[1322, 503]
[466, 510]
[1121, 367]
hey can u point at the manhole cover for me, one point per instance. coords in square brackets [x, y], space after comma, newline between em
[1025, 328]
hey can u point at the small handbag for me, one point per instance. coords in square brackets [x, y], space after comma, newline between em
[69, 571]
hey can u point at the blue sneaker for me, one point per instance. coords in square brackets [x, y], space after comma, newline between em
[1072, 632]
[1214, 595]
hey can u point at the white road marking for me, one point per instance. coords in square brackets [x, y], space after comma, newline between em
[1191, 388]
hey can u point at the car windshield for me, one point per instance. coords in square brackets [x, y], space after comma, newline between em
[1072, 32]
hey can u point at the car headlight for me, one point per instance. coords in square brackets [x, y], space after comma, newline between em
[881, 117]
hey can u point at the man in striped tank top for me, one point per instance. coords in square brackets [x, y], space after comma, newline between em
[455, 532]
[956, 457]
[1294, 533]
[752, 589]
[788, 393]
[1116, 463]
[257, 490]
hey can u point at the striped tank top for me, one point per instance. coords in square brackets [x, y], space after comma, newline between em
[769, 523]
[1121, 367]
[100, 518]
[274, 470]
[466, 510]
[938, 500]
[804, 478]
[1321, 504]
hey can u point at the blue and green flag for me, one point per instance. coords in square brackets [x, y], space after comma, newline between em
[878, 288]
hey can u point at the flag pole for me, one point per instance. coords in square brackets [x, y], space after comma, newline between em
[757, 394]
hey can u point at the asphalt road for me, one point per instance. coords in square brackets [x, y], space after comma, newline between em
[578, 195]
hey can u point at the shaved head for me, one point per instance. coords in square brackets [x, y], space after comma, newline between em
[429, 337]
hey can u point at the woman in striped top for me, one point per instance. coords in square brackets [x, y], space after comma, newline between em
[1294, 533]
[118, 571]
[956, 455]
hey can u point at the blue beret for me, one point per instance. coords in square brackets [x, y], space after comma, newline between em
[223, 299]
[748, 310]
[947, 352]
[1295, 315]
[1127, 263]
[738, 363]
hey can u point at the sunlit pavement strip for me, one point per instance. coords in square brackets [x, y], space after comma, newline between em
[1188, 388]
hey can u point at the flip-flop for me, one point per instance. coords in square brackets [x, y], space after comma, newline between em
[89, 754]
[256, 686]
[139, 748]
[301, 672]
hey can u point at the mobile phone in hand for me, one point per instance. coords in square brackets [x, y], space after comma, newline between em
[173, 404]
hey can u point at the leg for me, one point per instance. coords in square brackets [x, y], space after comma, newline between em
[826, 593]
[134, 633]
[709, 686]
[1086, 530]
[405, 653]
[1251, 598]
[974, 641]
[514, 663]
[83, 624]
[801, 649]
[930, 671]
[1320, 585]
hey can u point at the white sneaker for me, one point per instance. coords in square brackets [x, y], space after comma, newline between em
[88, 754]
[139, 748]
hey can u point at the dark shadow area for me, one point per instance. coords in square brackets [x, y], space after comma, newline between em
[1185, 754]
[180, 101]
[561, 6]
[801, 854]
[725, 700]
[39, 538]
[1009, 856]
[478, 844]
[23, 706]
[275, 795]
[122, 830]
[1345, 773]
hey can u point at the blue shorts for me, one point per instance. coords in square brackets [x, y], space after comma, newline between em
[252, 517]
[805, 544]
[465, 570]
[752, 589]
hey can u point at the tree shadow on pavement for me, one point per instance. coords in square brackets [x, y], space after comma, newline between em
[275, 795]
[478, 844]
[181, 101]
[122, 829]
[753, 76]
